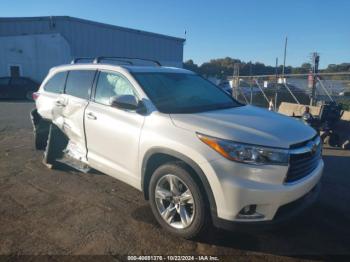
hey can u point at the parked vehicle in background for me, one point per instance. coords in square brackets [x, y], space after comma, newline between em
[17, 87]
[198, 155]
[344, 93]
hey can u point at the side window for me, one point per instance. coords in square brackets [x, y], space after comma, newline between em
[56, 83]
[4, 81]
[19, 82]
[79, 83]
[110, 85]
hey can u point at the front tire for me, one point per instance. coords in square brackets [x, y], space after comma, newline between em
[177, 202]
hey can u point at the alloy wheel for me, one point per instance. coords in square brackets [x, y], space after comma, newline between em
[174, 201]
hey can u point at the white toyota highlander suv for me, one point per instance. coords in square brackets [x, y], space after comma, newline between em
[198, 155]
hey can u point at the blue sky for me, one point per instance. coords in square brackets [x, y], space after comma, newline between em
[246, 29]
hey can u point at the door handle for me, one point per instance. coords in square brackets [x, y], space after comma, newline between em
[91, 116]
[59, 103]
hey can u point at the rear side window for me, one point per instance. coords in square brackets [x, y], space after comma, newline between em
[79, 83]
[19, 82]
[56, 83]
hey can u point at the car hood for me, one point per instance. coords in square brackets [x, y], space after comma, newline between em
[247, 124]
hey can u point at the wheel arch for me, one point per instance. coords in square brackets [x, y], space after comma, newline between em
[157, 156]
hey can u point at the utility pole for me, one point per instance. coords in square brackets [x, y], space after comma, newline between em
[236, 78]
[315, 63]
[276, 73]
[276, 69]
[284, 57]
[251, 82]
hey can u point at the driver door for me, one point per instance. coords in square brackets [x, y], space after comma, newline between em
[113, 134]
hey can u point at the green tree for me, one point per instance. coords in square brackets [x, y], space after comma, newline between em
[190, 65]
[223, 67]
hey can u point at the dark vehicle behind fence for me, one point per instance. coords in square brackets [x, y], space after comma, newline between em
[17, 87]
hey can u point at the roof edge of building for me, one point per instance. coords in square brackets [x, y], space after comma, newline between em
[81, 20]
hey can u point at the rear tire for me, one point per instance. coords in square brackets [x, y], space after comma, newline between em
[181, 209]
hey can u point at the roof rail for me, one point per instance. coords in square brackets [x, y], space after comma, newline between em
[77, 59]
[98, 59]
[124, 59]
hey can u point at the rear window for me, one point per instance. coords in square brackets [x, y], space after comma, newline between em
[56, 83]
[79, 83]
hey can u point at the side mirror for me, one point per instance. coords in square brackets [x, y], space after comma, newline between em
[125, 102]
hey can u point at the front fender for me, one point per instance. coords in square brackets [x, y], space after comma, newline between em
[172, 153]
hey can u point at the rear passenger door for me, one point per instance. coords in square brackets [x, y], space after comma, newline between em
[51, 95]
[76, 98]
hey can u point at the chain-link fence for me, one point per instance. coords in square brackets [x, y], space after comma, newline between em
[268, 90]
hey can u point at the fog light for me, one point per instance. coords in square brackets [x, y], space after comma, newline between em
[249, 212]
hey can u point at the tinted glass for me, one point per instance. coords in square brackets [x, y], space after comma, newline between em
[19, 82]
[183, 93]
[56, 83]
[4, 81]
[79, 83]
[111, 85]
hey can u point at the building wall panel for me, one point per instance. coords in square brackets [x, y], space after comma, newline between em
[90, 39]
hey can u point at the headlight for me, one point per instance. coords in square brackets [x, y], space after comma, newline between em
[251, 154]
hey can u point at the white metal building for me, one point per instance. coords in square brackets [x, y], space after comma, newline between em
[30, 46]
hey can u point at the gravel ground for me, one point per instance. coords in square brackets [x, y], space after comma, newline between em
[64, 212]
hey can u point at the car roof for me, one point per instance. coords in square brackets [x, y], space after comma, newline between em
[160, 69]
[130, 68]
[17, 77]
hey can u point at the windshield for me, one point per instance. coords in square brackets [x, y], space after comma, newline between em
[183, 93]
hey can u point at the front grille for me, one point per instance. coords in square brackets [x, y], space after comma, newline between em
[303, 162]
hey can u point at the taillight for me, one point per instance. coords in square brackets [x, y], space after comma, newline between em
[35, 95]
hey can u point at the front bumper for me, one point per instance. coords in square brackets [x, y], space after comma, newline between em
[283, 214]
[236, 186]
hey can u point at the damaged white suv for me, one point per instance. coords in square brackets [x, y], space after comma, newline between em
[198, 155]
